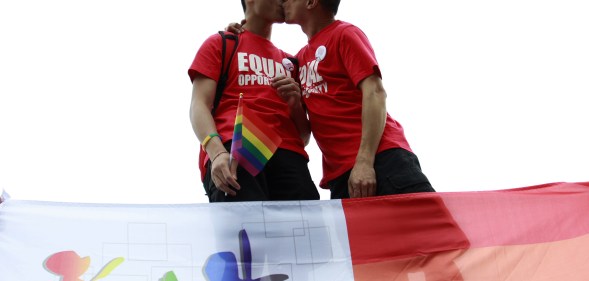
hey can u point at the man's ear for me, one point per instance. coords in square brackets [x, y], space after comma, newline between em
[311, 4]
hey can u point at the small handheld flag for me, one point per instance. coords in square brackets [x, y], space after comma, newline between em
[254, 142]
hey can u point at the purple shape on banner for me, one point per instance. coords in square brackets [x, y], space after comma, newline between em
[223, 266]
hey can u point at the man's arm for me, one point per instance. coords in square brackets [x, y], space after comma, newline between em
[290, 91]
[362, 181]
[203, 95]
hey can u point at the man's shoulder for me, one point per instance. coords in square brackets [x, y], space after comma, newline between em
[215, 38]
[342, 30]
[342, 25]
[214, 41]
[347, 31]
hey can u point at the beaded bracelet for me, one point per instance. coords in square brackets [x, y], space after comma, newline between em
[208, 139]
[216, 156]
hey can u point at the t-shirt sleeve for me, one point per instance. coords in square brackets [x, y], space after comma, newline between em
[207, 60]
[357, 54]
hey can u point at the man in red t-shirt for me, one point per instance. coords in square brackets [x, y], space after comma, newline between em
[365, 152]
[271, 93]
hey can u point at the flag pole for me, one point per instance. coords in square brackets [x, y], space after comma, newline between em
[237, 114]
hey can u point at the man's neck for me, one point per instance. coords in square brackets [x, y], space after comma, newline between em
[259, 28]
[315, 24]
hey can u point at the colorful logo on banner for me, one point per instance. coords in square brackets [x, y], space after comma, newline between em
[222, 266]
[70, 266]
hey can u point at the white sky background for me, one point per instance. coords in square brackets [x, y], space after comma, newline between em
[94, 95]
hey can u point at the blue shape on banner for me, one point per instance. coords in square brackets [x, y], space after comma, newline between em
[223, 266]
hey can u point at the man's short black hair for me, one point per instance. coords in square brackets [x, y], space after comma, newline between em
[330, 5]
[243, 5]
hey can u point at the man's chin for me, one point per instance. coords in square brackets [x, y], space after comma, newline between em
[279, 20]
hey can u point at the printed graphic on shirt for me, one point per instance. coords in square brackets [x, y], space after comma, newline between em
[256, 70]
[311, 81]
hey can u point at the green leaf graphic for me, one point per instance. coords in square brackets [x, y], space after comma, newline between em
[169, 276]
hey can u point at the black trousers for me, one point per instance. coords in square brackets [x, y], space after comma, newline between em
[286, 176]
[397, 171]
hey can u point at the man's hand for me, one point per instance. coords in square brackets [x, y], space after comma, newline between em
[362, 181]
[288, 89]
[235, 27]
[224, 177]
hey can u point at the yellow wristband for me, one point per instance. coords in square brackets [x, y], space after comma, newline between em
[208, 139]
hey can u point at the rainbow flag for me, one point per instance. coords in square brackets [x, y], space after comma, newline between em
[253, 142]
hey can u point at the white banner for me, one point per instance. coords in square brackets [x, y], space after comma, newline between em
[215, 242]
[536, 233]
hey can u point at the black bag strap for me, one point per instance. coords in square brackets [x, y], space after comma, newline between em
[224, 69]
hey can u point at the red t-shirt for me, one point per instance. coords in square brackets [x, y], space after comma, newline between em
[255, 63]
[335, 102]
